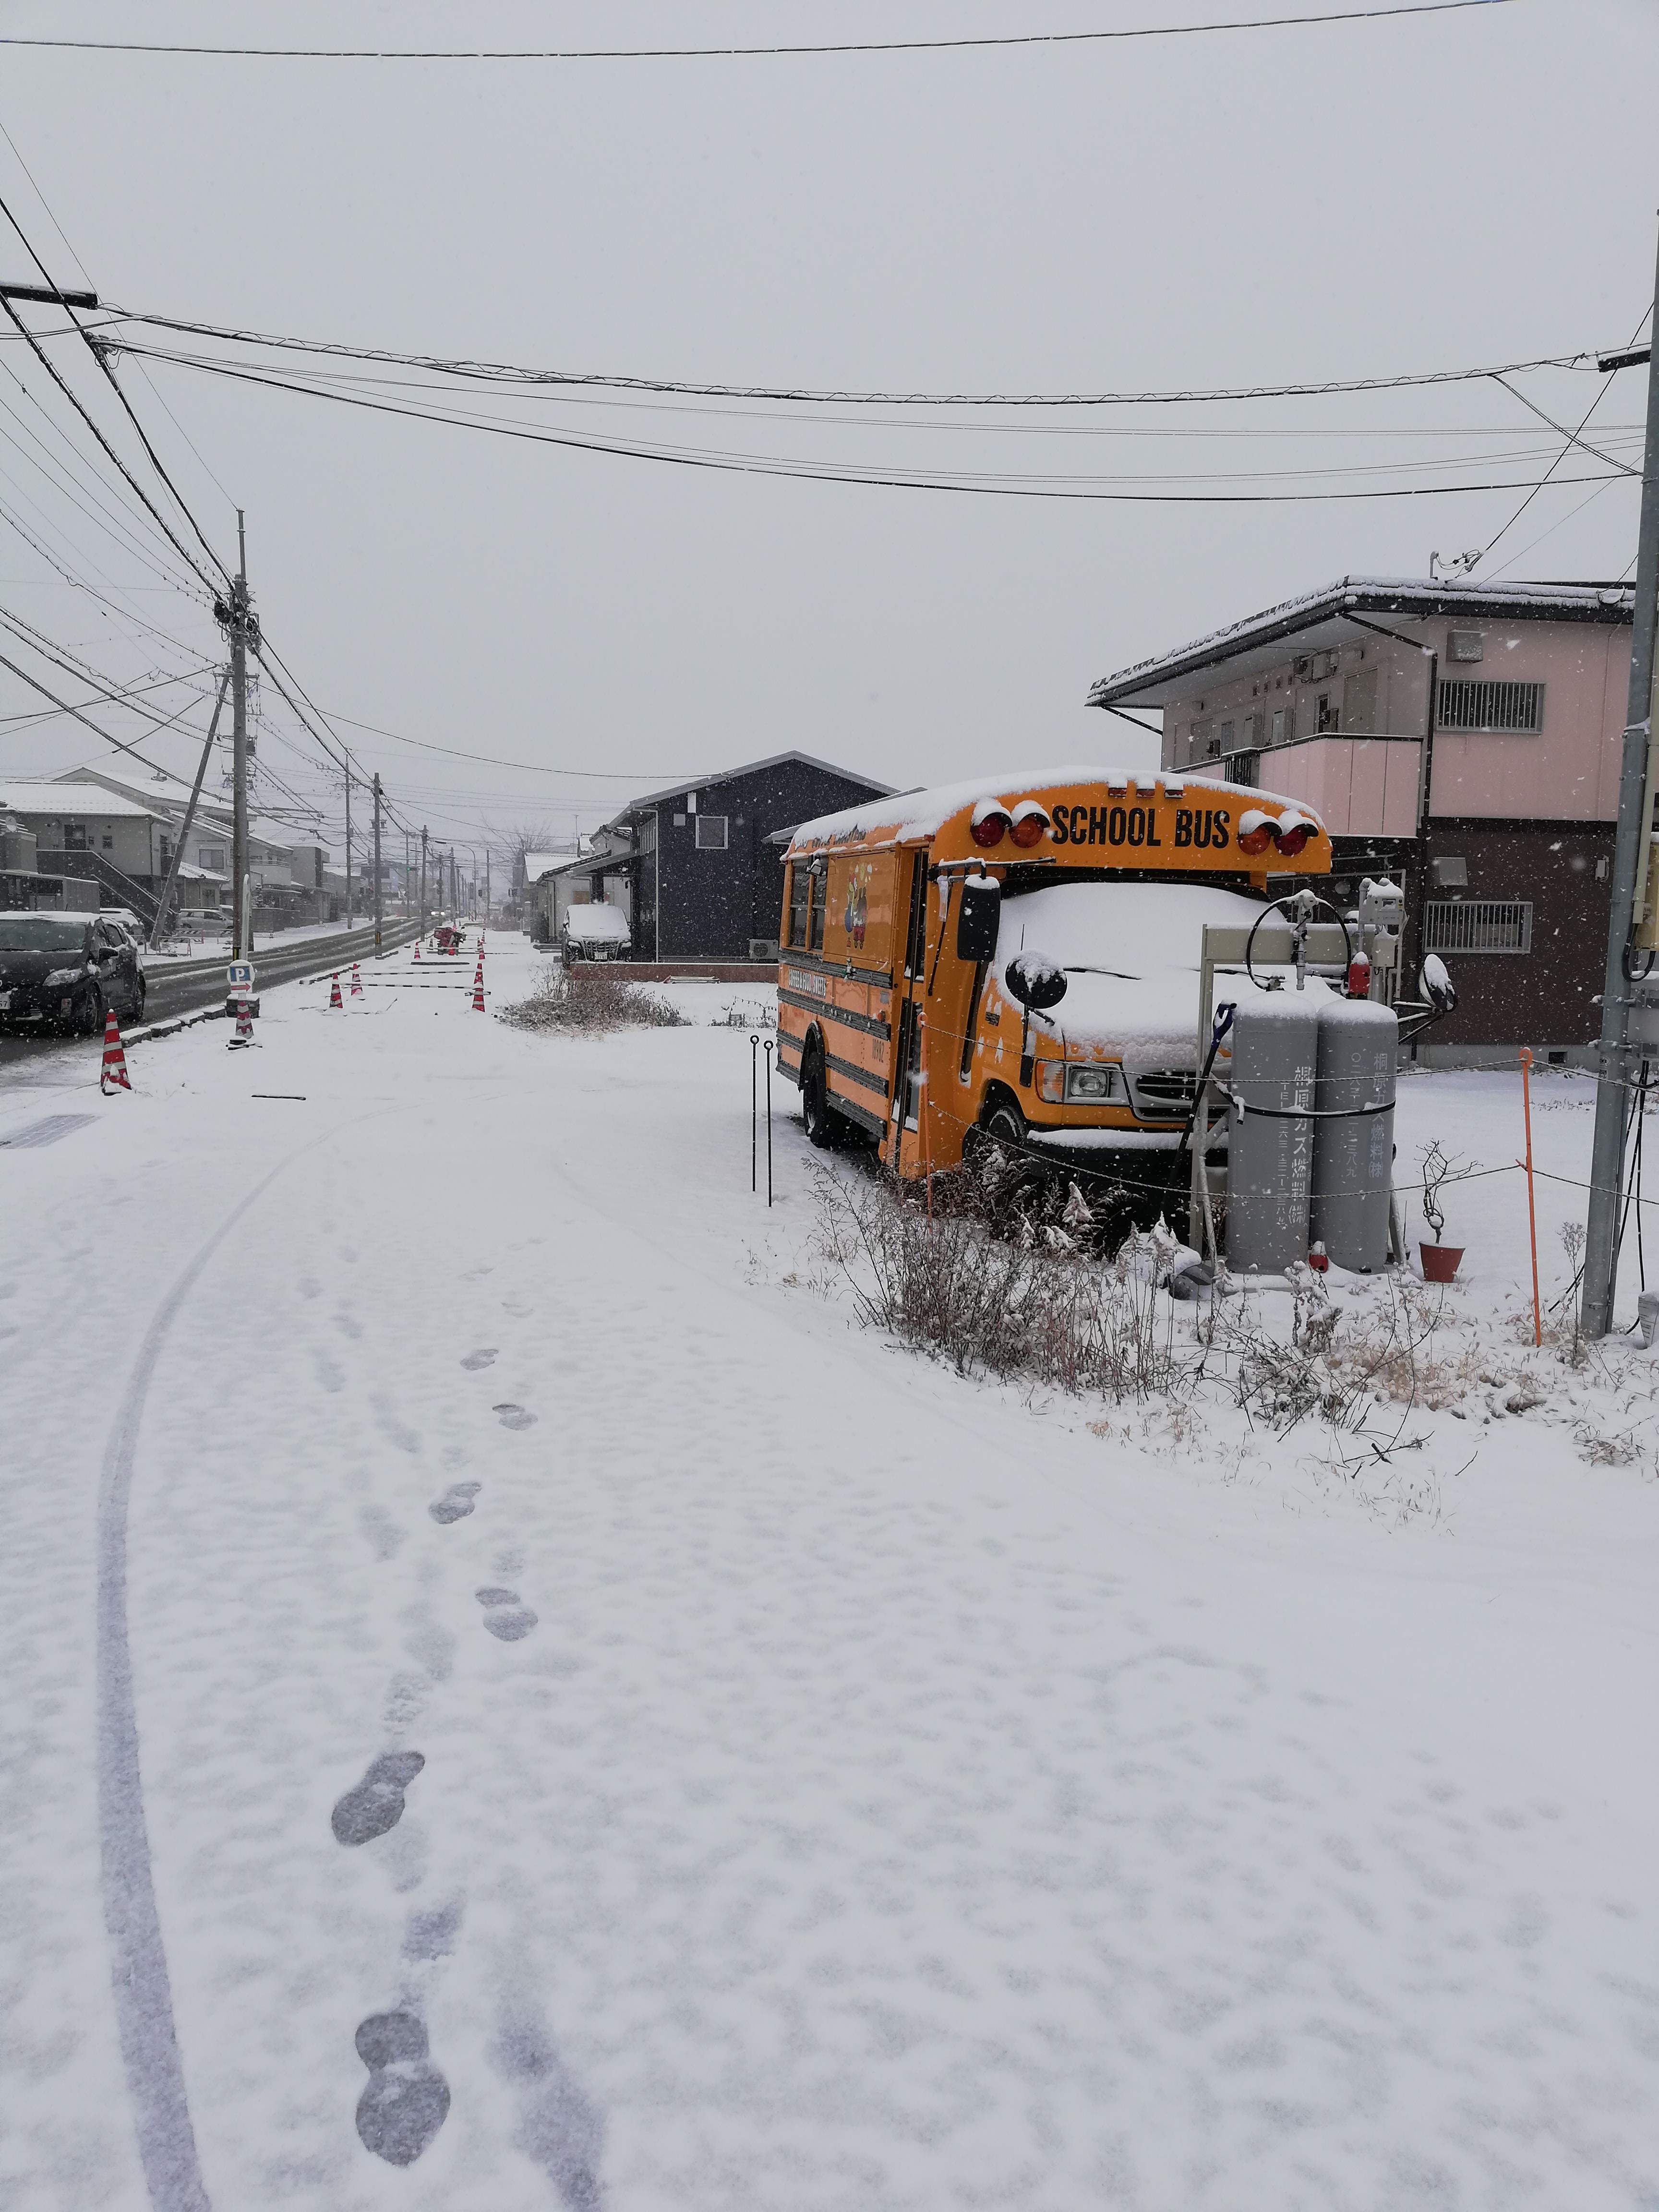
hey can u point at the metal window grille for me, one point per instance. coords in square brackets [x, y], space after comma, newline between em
[1245, 768]
[1477, 926]
[1468, 704]
[711, 833]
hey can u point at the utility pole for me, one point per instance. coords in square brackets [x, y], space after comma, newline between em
[350, 909]
[377, 865]
[241, 932]
[1616, 1069]
[423, 880]
[486, 887]
[405, 875]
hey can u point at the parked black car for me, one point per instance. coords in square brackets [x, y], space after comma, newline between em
[64, 971]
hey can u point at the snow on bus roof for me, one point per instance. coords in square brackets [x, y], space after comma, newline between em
[923, 812]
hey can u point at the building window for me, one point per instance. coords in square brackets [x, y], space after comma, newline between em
[1477, 926]
[1227, 740]
[211, 856]
[109, 842]
[74, 836]
[711, 833]
[800, 878]
[1278, 726]
[1328, 717]
[1245, 768]
[1467, 703]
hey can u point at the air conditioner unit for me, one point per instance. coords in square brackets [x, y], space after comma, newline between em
[762, 948]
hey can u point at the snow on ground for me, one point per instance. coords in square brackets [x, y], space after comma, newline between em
[842, 1785]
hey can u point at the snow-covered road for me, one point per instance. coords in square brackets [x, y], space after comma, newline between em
[838, 1785]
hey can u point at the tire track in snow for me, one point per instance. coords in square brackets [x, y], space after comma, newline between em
[144, 1992]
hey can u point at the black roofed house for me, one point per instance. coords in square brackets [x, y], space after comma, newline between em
[692, 866]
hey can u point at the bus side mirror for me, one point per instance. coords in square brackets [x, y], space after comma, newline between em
[1035, 981]
[978, 919]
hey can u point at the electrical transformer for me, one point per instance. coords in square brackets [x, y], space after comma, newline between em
[1353, 1144]
[1274, 1061]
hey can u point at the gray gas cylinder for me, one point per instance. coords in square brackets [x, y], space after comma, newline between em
[1353, 1159]
[1275, 1046]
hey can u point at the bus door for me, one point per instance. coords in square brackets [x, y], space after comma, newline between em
[907, 1058]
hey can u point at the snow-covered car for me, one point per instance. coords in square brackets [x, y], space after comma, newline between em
[1124, 1037]
[595, 932]
[124, 919]
[66, 971]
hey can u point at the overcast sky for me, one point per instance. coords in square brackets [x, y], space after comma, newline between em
[1327, 202]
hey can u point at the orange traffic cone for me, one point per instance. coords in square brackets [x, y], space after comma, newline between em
[336, 1003]
[114, 1075]
[244, 1024]
[478, 990]
[417, 948]
[356, 982]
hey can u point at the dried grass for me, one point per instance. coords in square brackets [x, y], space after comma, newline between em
[592, 1001]
[1027, 1306]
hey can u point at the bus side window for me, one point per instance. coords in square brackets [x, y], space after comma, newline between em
[800, 878]
[820, 881]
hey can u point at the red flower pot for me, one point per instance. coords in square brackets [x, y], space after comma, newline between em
[1440, 1261]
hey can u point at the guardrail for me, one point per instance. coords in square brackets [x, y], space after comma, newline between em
[176, 986]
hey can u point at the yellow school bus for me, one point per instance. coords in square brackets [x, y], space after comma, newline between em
[1017, 956]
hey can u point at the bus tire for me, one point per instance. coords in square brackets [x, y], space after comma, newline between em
[1003, 1122]
[817, 1114]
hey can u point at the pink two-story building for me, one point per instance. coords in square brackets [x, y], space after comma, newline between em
[1464, 738]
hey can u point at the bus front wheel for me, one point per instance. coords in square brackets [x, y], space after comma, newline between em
[1006, 1125]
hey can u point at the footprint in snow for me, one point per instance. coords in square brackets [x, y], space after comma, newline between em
[483, 1358]
[504, 1616]
[455, 1503]
[407, 2100]
[514, 1417]
[376, 1803]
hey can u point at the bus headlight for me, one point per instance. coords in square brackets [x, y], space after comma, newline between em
[1091, 1085]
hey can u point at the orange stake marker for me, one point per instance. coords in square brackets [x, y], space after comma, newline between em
[1532, 1211]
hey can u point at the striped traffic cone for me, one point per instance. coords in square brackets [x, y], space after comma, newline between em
[356, 982]
[244, 1024]
[417, 948]
[336, 1003]
[114, 1076]
[478, 990]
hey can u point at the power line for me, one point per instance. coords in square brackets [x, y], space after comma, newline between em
[1572, 438]
[330, 383]
[745, 464]
[154, 511]
[804, 395]
[491, 760]
[98, 354]
[755, 53]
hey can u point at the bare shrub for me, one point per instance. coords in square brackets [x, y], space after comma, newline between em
[591, 1001]
[1022, 1307]
[746, 1014]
